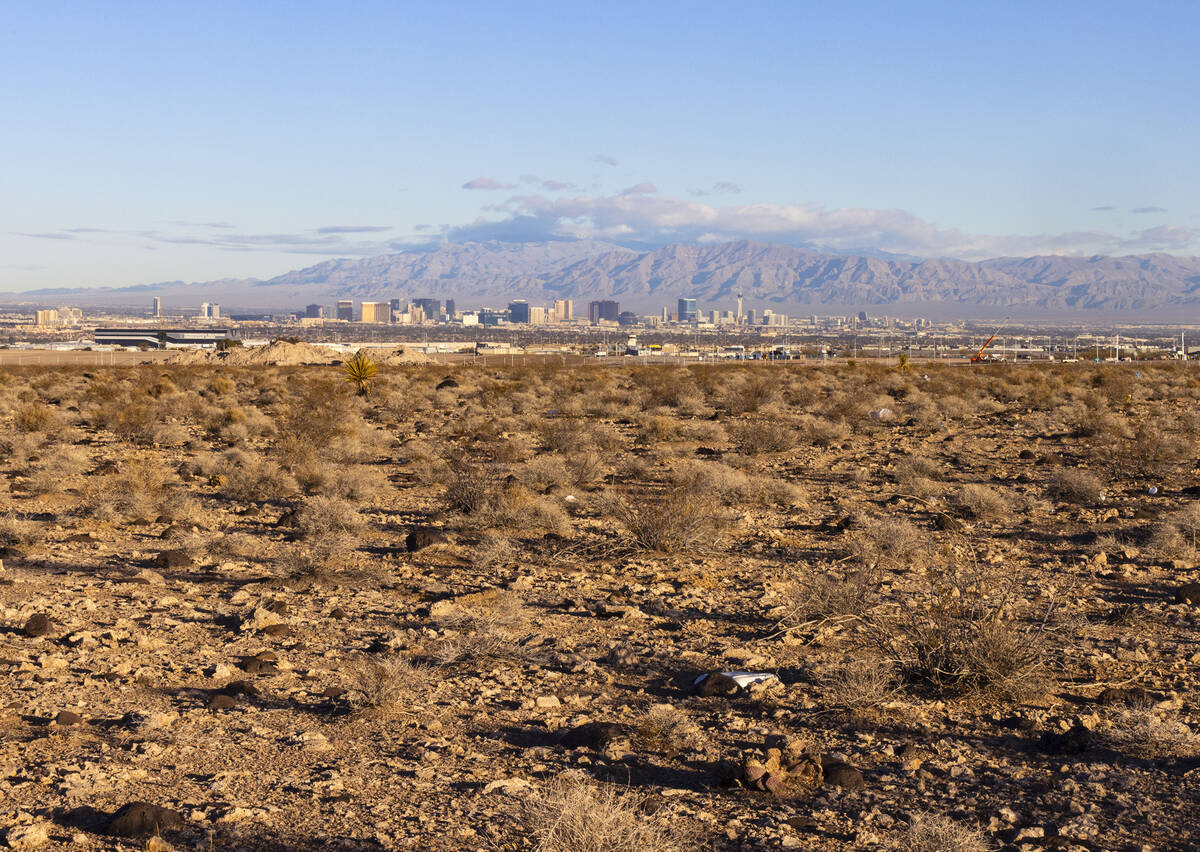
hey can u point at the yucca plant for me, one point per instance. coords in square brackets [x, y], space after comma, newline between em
[360, 370]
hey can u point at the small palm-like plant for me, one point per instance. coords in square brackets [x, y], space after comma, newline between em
[360, 370]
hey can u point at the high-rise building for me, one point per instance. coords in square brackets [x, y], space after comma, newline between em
[204, 310]
[537, 315]
[47, 317]
[518, 311]
[314, 311]
[687, 311]
[214, 311]
[376, 312]
[157, 306]
[564, 310]
[604, 310]
[345, 311]
[397, 306]
[450, 309]
[431, 307]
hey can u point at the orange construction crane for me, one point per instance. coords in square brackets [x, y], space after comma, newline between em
[977, 358]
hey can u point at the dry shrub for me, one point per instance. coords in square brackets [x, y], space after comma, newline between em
[251, 477]
[1146, 732]
[675, 523]
[470, 485]
[819, 596]
[1148, 451]
[982, 503]
[37, 417]
[862, 683]
[820, 431]
[1178, 535]
[958, 636]
[139, 489]
[544, 472]
[323, 519]
[493, 552]
[750, 394]
[888, 543]
[665, 728]
[920, 476]
[572, 814]
[764, 436]
[734, 486]
[15, 532]
[481, 627]
[937, 833]
[1079, 487]
[64, 463]
[391, 687]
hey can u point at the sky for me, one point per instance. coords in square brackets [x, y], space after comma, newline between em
[145, 142]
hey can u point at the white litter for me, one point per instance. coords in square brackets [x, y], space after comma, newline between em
[742, 679]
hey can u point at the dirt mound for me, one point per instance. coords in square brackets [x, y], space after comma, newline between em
[277, 353]
[399, 356]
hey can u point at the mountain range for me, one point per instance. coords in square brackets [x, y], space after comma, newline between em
[768, 275]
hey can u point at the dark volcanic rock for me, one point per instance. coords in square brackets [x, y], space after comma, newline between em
[39, 624]
[1075, 741]
[447, 382]
[222, 701]
[1188, 593]
[172, 559]
[138, 818]
[593, 735]
[423, 537]
[844, 775]
[716, 683]
[67, 717]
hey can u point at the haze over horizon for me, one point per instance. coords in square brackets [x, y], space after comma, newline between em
[152, 144]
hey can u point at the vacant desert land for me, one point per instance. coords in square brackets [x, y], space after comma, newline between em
[246, 608]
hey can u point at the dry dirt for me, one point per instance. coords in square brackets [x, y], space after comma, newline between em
[469, 610]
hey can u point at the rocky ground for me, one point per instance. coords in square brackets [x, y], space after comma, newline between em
[244, 608]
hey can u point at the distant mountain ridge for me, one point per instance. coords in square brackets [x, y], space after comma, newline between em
[767, 274]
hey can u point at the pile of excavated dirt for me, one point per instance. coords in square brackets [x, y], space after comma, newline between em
[400, 356]
[277, 353]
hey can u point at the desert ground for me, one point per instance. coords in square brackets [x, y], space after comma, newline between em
[494, 608]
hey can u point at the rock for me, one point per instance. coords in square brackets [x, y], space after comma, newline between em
[151, 578]
[594, 735]
[338, 613]
[844, 775]
[420, 538]
[27, 836]
[138, 818]
[222, 701]
[257, 666]
[171, 559]
[716, 684]
[1076, 740]
[276, 630]
[508, 786]
[67, 717]
[240, 687]
[446, 383]
[1188, 593]
[39, 624]
[547, 702]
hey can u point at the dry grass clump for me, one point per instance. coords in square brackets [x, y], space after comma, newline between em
[392, 686]
[938, 833]
[1178, 535]
[732, 486]
[862, 683]
[572, 814]
[958, 636]
[764, 436]
[888, 543]
[665, 728]
[139, 489]
[816, 596]
[982, 502]
[323, 519]
[821, 431]
[251, 477]
[920, 476]
[674, 523]
[60, 465]
[37, 417]
[1144, 731]
[15, 532]
[1079, 487]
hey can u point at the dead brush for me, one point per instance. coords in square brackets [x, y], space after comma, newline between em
[958, 636]
[573, 814]
[15, 532]
[982, 502]
[671, 523]
[1080, 487]
[391, 686]
[484, 627]
[884, 542]
[764, 436]
[929, 832]
[665, 729]
[1178, 535]
[1147, 732]
[815, 598]
[862, 683]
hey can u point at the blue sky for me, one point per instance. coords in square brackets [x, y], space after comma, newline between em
[147, 142]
